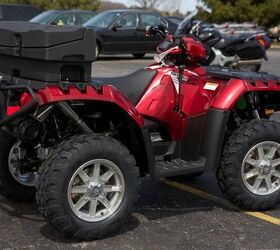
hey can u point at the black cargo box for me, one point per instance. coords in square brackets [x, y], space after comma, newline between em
[45, 52]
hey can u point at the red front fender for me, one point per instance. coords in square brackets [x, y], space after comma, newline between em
[52, 94]
[236, 88]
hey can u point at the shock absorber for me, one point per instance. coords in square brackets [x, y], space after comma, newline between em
[253, 106]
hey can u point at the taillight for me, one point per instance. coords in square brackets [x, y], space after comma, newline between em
[25, 98]
[12, 109]
[261, 40]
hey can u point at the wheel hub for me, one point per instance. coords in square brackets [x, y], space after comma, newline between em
[266, 167]
[260, 169]
[94, 189]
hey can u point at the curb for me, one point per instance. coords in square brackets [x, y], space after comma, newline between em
[275, 46]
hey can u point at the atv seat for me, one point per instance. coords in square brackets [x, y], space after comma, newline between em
[131, 86]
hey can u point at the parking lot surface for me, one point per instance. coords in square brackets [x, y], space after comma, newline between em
[170, 214]
[124, 64]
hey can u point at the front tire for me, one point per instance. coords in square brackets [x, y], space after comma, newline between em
[249, 174]
[139, 56]
[88, 188]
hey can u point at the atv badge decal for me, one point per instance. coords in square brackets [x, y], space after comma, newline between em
[211, 86]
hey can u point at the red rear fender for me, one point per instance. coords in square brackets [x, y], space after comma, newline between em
[52, 94]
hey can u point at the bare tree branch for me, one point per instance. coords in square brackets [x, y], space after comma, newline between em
[151, 4]
[172, 6]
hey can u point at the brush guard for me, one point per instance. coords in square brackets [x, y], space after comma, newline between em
[5, 89]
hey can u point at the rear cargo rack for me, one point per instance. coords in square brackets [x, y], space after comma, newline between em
[227, 74]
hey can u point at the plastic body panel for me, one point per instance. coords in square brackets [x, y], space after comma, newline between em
[162, 96]
[199, 92]
[211, 37]
[53, 94]
[194, 51]
[252, 49]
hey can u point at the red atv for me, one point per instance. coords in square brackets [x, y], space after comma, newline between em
[80, 144]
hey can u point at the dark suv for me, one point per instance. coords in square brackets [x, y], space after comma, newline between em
[63, 17]
[117, 31]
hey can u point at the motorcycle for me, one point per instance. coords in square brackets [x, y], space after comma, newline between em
[242, 51]
[81, 144]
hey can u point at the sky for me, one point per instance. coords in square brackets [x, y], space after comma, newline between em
[186, 5]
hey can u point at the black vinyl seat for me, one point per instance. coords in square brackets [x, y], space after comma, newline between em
[131, 86]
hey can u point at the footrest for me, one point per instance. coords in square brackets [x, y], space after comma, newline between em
[178, 167]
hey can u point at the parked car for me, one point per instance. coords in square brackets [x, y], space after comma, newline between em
[117, 31]
[18, 12]
[63, 17]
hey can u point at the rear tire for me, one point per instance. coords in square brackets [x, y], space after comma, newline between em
[72, 193]
[10, 188]
[249, 174]
[139, 56]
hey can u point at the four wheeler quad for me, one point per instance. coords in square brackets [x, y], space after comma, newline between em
[80, 144]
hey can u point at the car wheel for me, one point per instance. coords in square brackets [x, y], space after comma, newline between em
[139, 56]
[17, 183]
[89, 187]
[97, 51]
[250, 67]
[249, 174]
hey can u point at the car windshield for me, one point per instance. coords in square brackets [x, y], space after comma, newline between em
[102, 20]
[44, 18]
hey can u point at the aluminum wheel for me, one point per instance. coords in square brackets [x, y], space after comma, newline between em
[96, 190]
[261, 168]
[16, 157]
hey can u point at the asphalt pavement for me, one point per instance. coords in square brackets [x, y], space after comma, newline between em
[119, 65]
[184, 214]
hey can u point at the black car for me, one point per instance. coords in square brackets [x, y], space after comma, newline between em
[18, 12]
[63, 17]
[117, 31]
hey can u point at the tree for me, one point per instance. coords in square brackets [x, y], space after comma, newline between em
[268, 13]
[59, 4]
[107, 5]
[157, 4]
[148, 4]
[264, 12]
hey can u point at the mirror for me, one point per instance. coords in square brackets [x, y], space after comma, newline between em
[116, 27]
